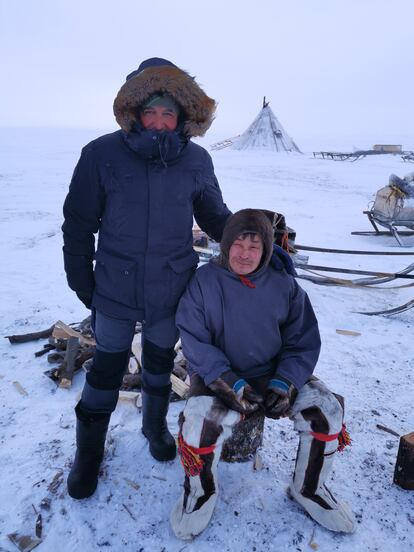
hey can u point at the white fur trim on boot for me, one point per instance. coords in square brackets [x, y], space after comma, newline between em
[318, 410]
[187, 518]
[340, 518]
[187, 524]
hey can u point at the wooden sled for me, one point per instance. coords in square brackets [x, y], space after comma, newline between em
[390, 224]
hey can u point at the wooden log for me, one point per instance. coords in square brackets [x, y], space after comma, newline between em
[66, 374]
[246, 438]
[24, 338]
[131, 380]
[46, 349]
[404, 467]
[56, 357]
[54, 373]
[60, 344]
[85, 326]
[85, 353]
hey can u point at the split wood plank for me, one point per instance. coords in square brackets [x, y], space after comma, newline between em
[130, 396]
[20, 389]
[69, 367]
[133, 397]
[24, 543]
[348, 332]
[62, 330]
[179, 386]
[136, 348]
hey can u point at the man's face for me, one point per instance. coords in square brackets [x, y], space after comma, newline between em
[245, 254]
[159, 118]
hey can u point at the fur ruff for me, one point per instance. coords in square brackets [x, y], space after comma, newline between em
[247, 220]
[197, 107]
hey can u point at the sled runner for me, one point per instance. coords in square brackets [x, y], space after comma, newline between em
[393, 207]
[392, 225]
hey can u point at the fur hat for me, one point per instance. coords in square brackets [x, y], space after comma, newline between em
[247, 221]
[160, 76]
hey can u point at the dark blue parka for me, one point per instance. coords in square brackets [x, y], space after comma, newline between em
[262, 325]
[266, 329]
[140, 189]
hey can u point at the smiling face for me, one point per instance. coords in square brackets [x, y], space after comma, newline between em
[159, 118]
[246, 253]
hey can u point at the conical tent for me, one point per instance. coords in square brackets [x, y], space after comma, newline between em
[265, 133]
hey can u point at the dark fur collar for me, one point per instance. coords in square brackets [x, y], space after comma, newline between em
[198, 107]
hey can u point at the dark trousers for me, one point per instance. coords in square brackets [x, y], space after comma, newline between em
[113, 343]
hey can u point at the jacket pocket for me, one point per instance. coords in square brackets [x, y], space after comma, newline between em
[182, 270]
[115, 278]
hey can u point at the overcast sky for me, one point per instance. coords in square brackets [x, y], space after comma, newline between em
[327, 66]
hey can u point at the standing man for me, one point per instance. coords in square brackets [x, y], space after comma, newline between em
[138, 188]
[252, 342]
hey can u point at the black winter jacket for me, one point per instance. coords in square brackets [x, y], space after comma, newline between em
[143, 210]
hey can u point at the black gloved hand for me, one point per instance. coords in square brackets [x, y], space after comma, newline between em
[278, 398]
[251, 395]
[243, 390]
[243, 401]
[86, 299]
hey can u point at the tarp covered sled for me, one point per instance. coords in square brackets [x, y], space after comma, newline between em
[393, 206]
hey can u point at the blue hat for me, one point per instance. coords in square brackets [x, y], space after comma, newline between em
[151, 62]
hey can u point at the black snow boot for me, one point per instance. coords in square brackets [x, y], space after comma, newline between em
[91, 429]
[154, 426]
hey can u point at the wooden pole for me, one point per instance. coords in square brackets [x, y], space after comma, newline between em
[24, 338]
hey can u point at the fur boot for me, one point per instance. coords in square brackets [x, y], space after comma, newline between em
[318, 415]
[205, 424]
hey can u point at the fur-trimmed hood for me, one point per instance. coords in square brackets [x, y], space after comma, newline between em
[242, 222]
[160, 75]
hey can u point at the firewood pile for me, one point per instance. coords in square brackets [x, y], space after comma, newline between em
[70, 349]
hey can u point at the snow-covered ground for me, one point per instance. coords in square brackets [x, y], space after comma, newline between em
[323, 201]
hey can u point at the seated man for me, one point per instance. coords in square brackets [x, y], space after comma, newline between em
[251, 339]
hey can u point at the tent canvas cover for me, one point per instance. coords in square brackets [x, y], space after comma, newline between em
[265, 133]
